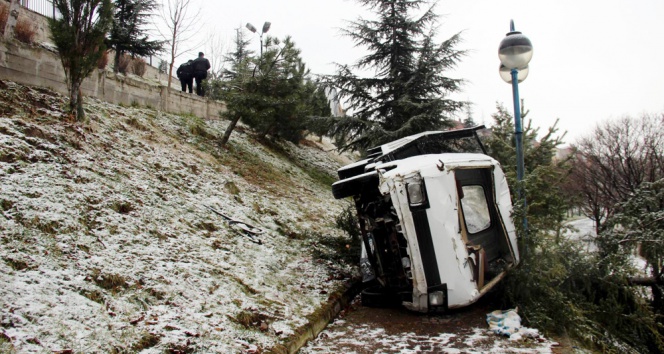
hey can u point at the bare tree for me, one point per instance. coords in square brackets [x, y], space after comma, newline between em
[182, 26]
[215, 50]
[614, 160]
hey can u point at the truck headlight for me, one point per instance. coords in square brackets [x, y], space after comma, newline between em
[416, 193]
[436, 298]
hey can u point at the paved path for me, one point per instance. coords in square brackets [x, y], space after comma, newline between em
[363, 330]
[395, 330]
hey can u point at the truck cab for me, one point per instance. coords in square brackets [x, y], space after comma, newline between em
[434, 213]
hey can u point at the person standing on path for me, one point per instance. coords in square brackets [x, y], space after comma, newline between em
[201, 66]
[186, 75]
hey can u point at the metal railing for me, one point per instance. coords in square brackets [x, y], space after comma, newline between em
[47, 8]
[42, 7]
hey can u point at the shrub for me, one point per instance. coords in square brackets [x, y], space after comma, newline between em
[103, 61]
[4, 14]
[138, 67]
[123, 63]
[25, 31]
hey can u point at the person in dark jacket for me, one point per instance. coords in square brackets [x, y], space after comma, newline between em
[201, 66]
[186, 75]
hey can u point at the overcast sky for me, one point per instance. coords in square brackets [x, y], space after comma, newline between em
[593, 59]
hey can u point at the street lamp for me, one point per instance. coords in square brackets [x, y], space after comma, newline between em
[515, 52]
[266, 27]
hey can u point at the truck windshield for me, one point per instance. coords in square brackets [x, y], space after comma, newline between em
[475, 209]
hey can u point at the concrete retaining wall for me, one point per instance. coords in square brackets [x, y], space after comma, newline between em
[39, 65]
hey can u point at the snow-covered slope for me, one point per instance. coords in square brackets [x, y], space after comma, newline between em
[107, 243]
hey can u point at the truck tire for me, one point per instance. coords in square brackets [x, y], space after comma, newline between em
[355, 185]
[354, 169]
[377, 296]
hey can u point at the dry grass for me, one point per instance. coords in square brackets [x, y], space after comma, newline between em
[4, 14]
[249, 319]
[103, 61]
[113, 282]
[147, 340]
[138, 67]
[123, 63]
[17, 264]
[25, 31]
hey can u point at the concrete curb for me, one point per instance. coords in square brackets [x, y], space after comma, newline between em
[318, 320]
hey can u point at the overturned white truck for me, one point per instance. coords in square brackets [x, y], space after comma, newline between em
[434, 212]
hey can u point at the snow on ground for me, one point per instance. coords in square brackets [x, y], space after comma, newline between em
[342, 337]
[106, 244]
[584, 232]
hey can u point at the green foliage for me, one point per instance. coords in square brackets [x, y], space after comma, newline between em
[409, 93]
[347, 222]
[543, 175]
[79, 36]
[568, 290]
[469, 122]
[639, 224]
[128, 33]
[271, 93]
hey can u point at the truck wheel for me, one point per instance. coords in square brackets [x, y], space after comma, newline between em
[355, 185]
[353, 169]
[378, 297]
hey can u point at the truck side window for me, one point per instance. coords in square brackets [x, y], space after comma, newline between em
[475, 209]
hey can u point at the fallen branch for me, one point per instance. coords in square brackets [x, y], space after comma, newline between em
[250, 231]
[645, 281]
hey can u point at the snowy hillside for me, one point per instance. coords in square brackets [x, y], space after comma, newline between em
[107, 243]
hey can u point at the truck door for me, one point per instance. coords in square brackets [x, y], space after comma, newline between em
[480, 214]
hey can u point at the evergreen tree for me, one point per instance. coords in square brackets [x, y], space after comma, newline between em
[128, 34]
[271, 93]
[469, 122]
[639, 225]
[543, 175]
[79, 36]
[410, 91]
[560, 287]
[237, 57]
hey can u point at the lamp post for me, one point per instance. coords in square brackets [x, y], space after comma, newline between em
[266, 27]
[515, 52]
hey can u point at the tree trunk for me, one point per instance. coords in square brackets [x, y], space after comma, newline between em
[116, 62]
[12, 19]
[170, 74]
[645, 281]
[76, 102]
[227, 133]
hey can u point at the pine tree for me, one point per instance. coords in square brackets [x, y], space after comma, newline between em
[544, 175]
[559, 286]
[79, 36]
[272, 93]
[128, 34]
[237, 58]
[409, 93]
[469, 122]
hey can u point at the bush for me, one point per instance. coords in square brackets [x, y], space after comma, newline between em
[103, 61]
[4, 14]
[123, 63]
[138, 67]
[25, 31]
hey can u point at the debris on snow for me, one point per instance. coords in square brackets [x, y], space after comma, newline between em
[508, 323]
